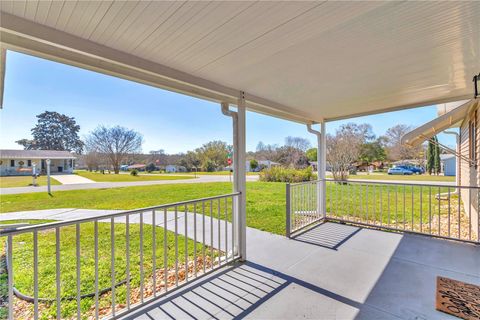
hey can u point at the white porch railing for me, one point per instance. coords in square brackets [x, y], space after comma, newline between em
[106, 266]
[438, 210]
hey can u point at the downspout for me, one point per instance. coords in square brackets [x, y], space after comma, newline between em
[457, 156]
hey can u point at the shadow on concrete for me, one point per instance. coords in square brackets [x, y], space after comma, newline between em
[230, 294]
[328, 235]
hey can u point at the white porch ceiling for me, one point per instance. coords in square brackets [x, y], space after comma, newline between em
[304, 61]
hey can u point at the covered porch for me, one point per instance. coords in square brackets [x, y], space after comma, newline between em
[308, 62]
[333, 271]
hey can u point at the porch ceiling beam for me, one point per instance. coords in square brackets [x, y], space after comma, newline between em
[28, 37]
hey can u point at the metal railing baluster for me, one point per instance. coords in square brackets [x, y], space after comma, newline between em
[57, 272]
[195, 239]
[127, 258]
[165, 249]
[142, 274]
[154, 253]
[35, 274]
[77, 254]
[176, 245]
[212, 260]
[203, 237]
[219, 233]
[186, 242]
[10, 275]
[95, 232]
[112, 262]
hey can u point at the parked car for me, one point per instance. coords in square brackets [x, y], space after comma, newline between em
[399, 171]
[415, 170]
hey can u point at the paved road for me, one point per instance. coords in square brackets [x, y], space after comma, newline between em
[107, 185]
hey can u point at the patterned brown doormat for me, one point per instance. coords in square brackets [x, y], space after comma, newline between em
[458, 298]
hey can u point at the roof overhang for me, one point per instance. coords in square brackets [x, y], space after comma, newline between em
[448, 120]
[302, 61]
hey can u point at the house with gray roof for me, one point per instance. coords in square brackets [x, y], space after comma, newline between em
[25, 162]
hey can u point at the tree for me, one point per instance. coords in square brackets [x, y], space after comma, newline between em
[213, 155]
[253, 164]
[291, 157]
[193, 160]
[430, 157]
[297, 143]
[266, 151]
[54, 131]
[151, 167]
[115, 143]
[436, 154]
[93, 160]
[343, 149]
[372, 151]
[394, 147]
[311, 154]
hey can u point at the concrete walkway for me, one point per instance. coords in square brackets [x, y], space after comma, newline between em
[108, 185]
[71, 179]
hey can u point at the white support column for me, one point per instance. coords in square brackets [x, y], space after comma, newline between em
[239, 179]
[240, 176]
[321, 166]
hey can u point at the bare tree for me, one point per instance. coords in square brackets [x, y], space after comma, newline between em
[266, 151]
[343, 149]
[398, 151]
[298, 143]
[93, 160]
[115, 143]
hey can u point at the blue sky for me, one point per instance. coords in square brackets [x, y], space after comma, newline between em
[167, 120]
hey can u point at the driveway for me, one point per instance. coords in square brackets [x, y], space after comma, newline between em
[71, 179]
[109, 185]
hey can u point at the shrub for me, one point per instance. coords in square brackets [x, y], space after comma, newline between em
[151, 167]
[134, 172]
[280, 174]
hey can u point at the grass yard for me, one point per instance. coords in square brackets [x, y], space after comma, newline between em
[99, 177]
[24, 181]
[265, 200]
[23, 264]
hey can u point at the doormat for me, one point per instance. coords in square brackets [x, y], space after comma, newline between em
[458, 298]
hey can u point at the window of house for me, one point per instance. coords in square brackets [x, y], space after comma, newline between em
[12, 163]
[472, 130]
[29, 163]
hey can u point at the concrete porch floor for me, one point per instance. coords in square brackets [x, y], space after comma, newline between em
[333, 271]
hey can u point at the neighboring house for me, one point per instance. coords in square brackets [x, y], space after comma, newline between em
[363, 166]
[262, 164]
[448, 163]
[464, 117]
[175, 168]
[21, 162]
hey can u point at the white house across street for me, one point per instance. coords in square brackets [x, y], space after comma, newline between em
[27, 162]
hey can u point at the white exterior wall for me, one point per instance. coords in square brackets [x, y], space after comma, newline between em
[469, 175]
[56, 165]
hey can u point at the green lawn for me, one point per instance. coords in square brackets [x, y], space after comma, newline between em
[23, 263]
[265, 200]
[384, 176]
[110, 177]
[24, 181]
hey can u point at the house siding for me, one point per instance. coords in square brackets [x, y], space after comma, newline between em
[469, 173]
